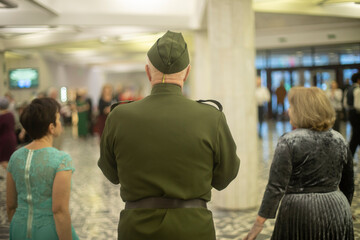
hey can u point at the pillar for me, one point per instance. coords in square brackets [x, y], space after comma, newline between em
[201, 85]
[224, 66]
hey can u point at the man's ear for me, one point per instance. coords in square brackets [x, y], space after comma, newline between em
[187, 72]
[51, 128]
[147, 70]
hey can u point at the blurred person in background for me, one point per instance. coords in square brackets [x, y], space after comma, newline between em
[74, 120]
[139, 93]
[90, 116]
[39, 179]
[311, 175]
[262, 95]
[105, 101]
[22, 136]
[352, 103]
[41, 94]
[82, 108]
[346, 85]
[7, 133]
[128, 94]
[335, 96]
[12, 108]
[67, 112]
[12, 102]
[54, 94]
[118, 92]
[280, 98]
[345, 88]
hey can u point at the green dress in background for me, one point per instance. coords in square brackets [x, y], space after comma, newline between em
[167, 146]
[83, 114]
[33, 172]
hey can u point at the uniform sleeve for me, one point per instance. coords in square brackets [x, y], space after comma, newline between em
[280, 173]
[226, 164]
[66, 164]
[107, 162]
[347, 179]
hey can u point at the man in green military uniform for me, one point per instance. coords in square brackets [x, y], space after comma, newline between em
[167, 152]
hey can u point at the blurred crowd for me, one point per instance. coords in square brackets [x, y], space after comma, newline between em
[85, 117]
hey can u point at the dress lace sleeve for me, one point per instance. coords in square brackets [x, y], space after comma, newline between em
[66, 164]
[10, 164]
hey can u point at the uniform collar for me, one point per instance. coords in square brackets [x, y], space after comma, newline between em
[166, 88]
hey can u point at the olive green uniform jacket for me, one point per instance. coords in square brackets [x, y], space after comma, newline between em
[166, 145]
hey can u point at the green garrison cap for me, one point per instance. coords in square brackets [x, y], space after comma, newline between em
[169, 54]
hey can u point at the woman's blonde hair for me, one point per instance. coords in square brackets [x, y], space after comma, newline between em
[310, 108]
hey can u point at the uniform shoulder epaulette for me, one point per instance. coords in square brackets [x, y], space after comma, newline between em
[212, 101]
[114, 105]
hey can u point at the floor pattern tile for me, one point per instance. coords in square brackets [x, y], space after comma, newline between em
[95, 203]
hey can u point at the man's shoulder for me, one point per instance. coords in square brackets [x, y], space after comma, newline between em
[211, 104]
[208, 106]
[119, 103]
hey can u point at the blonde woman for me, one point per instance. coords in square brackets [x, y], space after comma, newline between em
[311, 174]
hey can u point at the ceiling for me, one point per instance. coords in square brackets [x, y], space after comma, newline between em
[109, 32]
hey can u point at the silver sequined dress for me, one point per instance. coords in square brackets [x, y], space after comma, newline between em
[312, 175]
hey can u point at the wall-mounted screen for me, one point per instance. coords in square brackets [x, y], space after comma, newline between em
[22, 78]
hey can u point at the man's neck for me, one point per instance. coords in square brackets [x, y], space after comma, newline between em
[171, 81]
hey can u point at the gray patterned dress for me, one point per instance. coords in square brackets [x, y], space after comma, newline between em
[312, 175]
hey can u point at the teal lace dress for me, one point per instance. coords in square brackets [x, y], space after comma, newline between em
[33, 172]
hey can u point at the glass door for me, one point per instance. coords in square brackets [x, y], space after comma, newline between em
[347, 73]
[323, 78]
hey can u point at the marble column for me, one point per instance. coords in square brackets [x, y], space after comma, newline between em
[200, 82]
[225, 70]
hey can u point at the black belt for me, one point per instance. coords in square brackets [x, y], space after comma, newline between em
[166, 203]
[310, 190]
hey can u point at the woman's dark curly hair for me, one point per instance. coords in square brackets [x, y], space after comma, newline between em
[38, 115]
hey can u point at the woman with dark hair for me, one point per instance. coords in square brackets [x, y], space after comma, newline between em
[105, 102]
[83, 110]
[7, 133]
[311, 174]
[39, 178]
